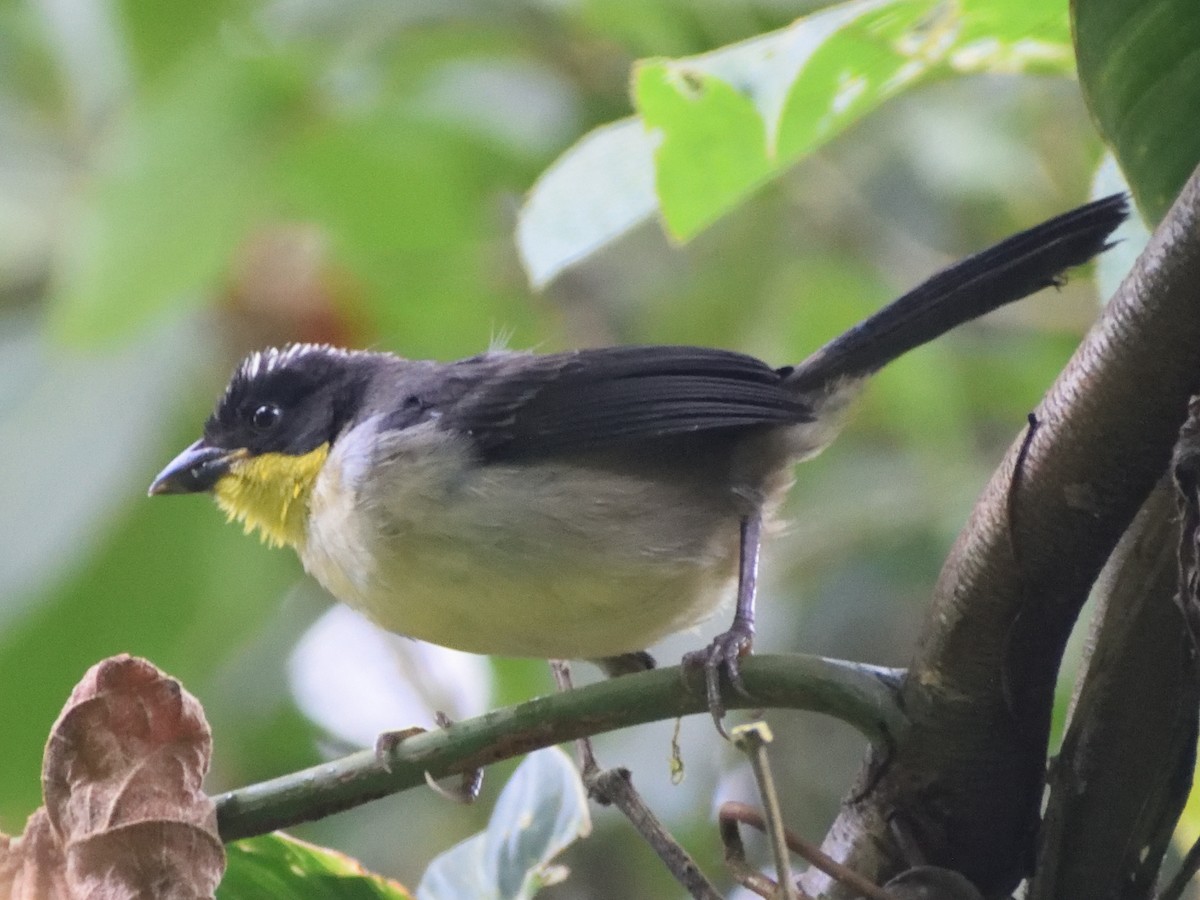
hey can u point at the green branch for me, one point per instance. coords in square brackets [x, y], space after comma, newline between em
[863, 696]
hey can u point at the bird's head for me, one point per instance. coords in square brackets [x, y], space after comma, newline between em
[269, 436]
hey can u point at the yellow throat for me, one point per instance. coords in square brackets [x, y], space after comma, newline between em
[270, 493]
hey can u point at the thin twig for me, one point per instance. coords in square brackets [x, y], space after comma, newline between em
[735, 854]
[614, 787]
[732, 813]
[561, 670]
[752, 739]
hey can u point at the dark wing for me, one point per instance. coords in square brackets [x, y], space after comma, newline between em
[531, 406]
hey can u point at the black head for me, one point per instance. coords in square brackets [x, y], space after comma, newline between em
[289, 401]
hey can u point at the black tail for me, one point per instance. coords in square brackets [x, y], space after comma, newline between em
[1014, 268]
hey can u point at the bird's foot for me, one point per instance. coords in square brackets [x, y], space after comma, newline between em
[471, 782]
[723, 655]
[388, 741]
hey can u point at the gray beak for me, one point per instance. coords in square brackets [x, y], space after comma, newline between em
[195, 470]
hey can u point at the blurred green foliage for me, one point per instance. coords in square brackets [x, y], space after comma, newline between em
[181, 183]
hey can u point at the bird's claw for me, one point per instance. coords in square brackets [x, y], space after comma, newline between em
[723, 655]
[471, 783]
[388, 741]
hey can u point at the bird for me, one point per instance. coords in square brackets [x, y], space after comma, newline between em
[572, 505]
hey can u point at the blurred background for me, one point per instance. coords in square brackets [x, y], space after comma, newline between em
[181, 183]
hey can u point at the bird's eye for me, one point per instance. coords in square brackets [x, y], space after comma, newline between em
[266, 416]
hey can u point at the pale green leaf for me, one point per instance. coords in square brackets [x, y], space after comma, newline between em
[810, 81]
[727, 121]
[541, 811]
[599, 189]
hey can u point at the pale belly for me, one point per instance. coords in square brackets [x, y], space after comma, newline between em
[497, 563]
[558, 609]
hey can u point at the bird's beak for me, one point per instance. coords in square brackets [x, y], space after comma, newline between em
[196, 469]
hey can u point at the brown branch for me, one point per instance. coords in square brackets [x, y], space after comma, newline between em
[969, 773]
[1121, 779]
[614, 787]
[732, 813]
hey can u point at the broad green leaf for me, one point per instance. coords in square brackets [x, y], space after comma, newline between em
[1140, 74]
[284, 868]
[541, 811]
[459, 872]
[810, 81]
[726, 121]
[714, 143]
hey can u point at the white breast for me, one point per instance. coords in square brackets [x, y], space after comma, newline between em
[553, 561]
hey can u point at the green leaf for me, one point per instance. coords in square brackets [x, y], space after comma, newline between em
[282, 867]
[593, 193]
[1140, 74]
[714, 143]
[541, 811]
[726, 121]
[810, 81]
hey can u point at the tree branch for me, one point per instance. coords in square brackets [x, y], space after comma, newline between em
[1121, 779]
[863, 696]
[969, 775]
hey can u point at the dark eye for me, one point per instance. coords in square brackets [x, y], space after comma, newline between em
[266, 416]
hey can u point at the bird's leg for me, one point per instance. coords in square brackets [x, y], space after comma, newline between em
[561, 670]
[625, 664]
[727, 648]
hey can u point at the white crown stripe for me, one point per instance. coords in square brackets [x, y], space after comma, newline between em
[263, 362]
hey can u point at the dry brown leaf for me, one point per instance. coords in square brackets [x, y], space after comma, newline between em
[124, 817]
[32, 866]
